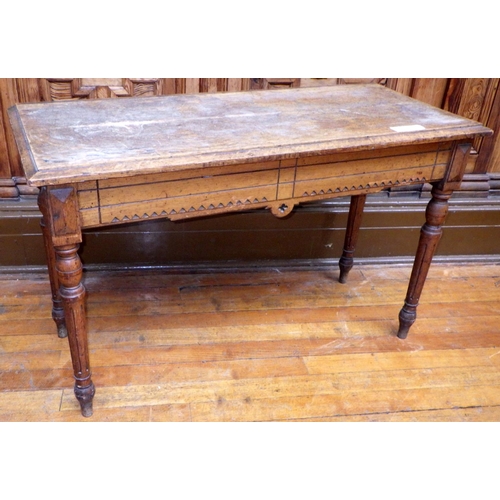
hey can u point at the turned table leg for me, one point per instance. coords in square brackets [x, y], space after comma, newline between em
[431, 232]
[351, 237]
[57, 307]
[72, 292]
[430, 235]
[62, 233]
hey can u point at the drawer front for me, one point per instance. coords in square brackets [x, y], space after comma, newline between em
[278, 185]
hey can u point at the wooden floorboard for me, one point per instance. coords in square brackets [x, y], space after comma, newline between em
[268, 345]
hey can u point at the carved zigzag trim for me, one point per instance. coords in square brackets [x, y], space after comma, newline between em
[190, 210]
[373, 185]
[202, 208]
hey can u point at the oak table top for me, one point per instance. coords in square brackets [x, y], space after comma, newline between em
[74, 141]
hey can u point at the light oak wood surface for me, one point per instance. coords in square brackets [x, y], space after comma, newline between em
[268, 345]
[67, 142]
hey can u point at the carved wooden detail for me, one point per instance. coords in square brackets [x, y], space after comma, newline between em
[347, 81]
[466, 96]
[274, 83]
[55, 89]
[472, 98]
[270, 185]
[474, 95]
[317, 82]
[222, 84]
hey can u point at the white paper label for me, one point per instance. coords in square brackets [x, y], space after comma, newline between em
[407, 128]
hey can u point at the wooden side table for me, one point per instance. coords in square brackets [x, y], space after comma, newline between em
[114, 161]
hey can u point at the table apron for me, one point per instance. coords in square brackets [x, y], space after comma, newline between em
[277, 185]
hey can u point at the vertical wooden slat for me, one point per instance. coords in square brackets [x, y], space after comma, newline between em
[44, 87]
[234, 84]
[9, 97]
[192, 85]
[486, 111]
[489, 157]
[402, 85]
[28, 90]
[430, 90]
[453, 94]
[221, 85]
[5, 171]
[208, 85]
[245, 83]
[168, 86]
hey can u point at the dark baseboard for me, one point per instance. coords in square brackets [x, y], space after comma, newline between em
[241, 267]
[311, 236]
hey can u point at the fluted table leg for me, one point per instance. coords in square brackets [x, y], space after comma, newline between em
[57, 307]
[430, 235]
[62, 233]
[351, 237]
[72, 292]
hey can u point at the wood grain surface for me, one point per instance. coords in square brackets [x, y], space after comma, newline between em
[269, 345]
[70, 141]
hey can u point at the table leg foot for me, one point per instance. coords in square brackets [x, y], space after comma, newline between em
[345, 265]
[85, 396]
[407, 317]
[62, 331]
